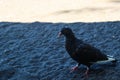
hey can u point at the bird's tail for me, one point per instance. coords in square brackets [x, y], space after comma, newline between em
[110, 59]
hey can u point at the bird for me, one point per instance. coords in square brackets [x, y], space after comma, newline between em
[82, 52]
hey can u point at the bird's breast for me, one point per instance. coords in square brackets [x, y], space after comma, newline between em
[70, 48]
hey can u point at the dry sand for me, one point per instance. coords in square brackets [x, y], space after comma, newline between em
[59, 10]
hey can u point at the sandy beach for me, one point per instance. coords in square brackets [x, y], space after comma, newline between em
[59, 10]
[31, 50]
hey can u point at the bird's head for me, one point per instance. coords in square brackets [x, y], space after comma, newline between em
[66, 32]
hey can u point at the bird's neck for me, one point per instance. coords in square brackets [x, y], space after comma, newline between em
[70, 44]
[70, 37]
[70, 41]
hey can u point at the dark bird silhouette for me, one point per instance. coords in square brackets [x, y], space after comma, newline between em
[82, 52]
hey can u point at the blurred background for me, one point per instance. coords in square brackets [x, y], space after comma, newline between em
[59, 10]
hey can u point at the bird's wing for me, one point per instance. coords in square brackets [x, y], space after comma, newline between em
[84, 51]
[87, 53]
[82, 48]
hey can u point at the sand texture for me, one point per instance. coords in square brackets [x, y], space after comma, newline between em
[32, 51]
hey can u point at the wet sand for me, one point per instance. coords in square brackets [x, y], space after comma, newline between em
[32, 51]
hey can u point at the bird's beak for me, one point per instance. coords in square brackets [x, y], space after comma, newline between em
[59, 34]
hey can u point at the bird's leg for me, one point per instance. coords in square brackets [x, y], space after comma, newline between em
[74, 68]
[86, 73]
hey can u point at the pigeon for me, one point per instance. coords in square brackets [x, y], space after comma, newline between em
[82, 52]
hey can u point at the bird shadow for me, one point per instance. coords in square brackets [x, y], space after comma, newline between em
[80, 10]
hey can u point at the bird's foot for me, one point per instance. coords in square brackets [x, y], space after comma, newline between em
[74, 68]
[86, 73]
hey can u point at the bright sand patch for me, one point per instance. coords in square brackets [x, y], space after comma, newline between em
[59, 10]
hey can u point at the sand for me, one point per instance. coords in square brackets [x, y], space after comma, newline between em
[32, 51]
[59, 10]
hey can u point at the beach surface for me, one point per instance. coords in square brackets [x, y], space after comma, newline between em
[32, 51]
[59, 10]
